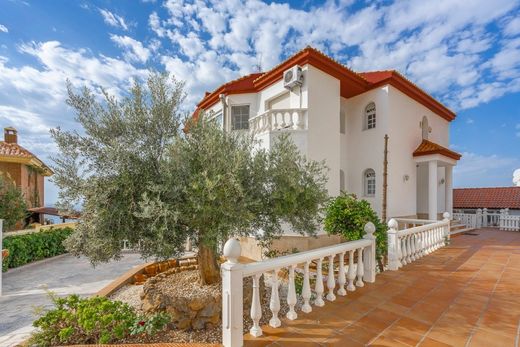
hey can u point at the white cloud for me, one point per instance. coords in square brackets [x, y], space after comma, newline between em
[442, 46]
[513, 27]
[133, 49]
[3, 28]
[518, 130]
[113, 19]
[477, 170]
[470, 121]
[33, 98]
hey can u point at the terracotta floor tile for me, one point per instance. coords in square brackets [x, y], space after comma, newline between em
[429, 342]
[358, 333]
[435, 301]
[341, 340]
[386, 341]
[296, 340]
[484, 338]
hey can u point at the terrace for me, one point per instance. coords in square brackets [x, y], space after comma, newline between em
[464, 294]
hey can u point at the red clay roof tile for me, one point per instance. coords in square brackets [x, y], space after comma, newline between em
[427, 147]
[499, 197]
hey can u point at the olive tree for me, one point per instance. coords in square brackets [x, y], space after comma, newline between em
[141, 178]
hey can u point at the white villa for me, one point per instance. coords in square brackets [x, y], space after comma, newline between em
[335, 114]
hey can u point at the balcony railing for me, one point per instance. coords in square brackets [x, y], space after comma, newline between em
[276, 120]
[406, 246]
[361, 267]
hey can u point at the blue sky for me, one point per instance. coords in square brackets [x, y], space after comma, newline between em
[465, 53]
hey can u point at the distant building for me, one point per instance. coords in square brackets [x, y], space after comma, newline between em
[24, 169]
[469, 200]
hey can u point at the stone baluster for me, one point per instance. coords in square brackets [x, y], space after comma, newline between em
[409, 249]
[301, 122]
[402, 242]
[341, 275]
[485, 217]
[256, 308]
[394, 244]
[319, 285]
[274, 304]
[306, 290]
[331, 282]
[412, 248]
[360, 268]
[351, 271]
[274, 115]
[289, 117]
[291, 295]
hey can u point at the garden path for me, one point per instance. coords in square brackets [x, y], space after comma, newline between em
[25, 288]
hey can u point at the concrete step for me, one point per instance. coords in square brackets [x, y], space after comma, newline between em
[460, 231]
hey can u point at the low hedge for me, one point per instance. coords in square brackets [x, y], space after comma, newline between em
[24, 249]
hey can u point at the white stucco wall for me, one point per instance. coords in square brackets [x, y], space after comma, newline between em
[323, 123]
[405, 134]
[365, 148]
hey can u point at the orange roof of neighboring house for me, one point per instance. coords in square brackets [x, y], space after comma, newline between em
[499, 197]
[14, 153]
[427, 147]
[351, 82]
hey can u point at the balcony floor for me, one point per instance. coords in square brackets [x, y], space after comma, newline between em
[466, 294]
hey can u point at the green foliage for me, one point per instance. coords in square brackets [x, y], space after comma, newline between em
[12, 204]
[140, 178]
[150, 325]
[96, 320]
[27, 248]
[347, 216]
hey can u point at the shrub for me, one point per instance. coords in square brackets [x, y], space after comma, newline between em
[13, 208]
[27, 248]
[95, 320]
[347, 216]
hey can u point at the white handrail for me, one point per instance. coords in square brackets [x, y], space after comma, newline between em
[302, 257]
[360, 269]
[406, 246]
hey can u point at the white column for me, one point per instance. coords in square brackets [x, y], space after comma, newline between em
[448, 177]
[432, 190]
[232, 296]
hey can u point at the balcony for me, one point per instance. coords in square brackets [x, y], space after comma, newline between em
[279, 120]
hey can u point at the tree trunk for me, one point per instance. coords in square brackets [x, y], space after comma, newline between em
[209, 271]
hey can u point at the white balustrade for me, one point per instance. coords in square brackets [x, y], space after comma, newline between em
[468, 219]
[283, 119]
[509, 222]
[408, 245]
[233, 274]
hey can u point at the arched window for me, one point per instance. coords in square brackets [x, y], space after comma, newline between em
[369, 182]
[370, 116]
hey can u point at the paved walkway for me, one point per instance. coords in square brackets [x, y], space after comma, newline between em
[467, 294]
[25, 288]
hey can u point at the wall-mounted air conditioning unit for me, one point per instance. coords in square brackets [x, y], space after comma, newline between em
[293, 77]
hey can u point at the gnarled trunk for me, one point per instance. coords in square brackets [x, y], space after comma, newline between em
[209, 271]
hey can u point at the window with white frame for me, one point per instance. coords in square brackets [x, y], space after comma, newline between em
[370, 116]
[216, 118]
[240, 117]
[369, 182]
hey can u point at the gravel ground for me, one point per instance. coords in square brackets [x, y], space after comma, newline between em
[130, 294]
[187, 282]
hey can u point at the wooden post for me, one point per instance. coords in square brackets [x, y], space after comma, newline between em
[385, 179]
